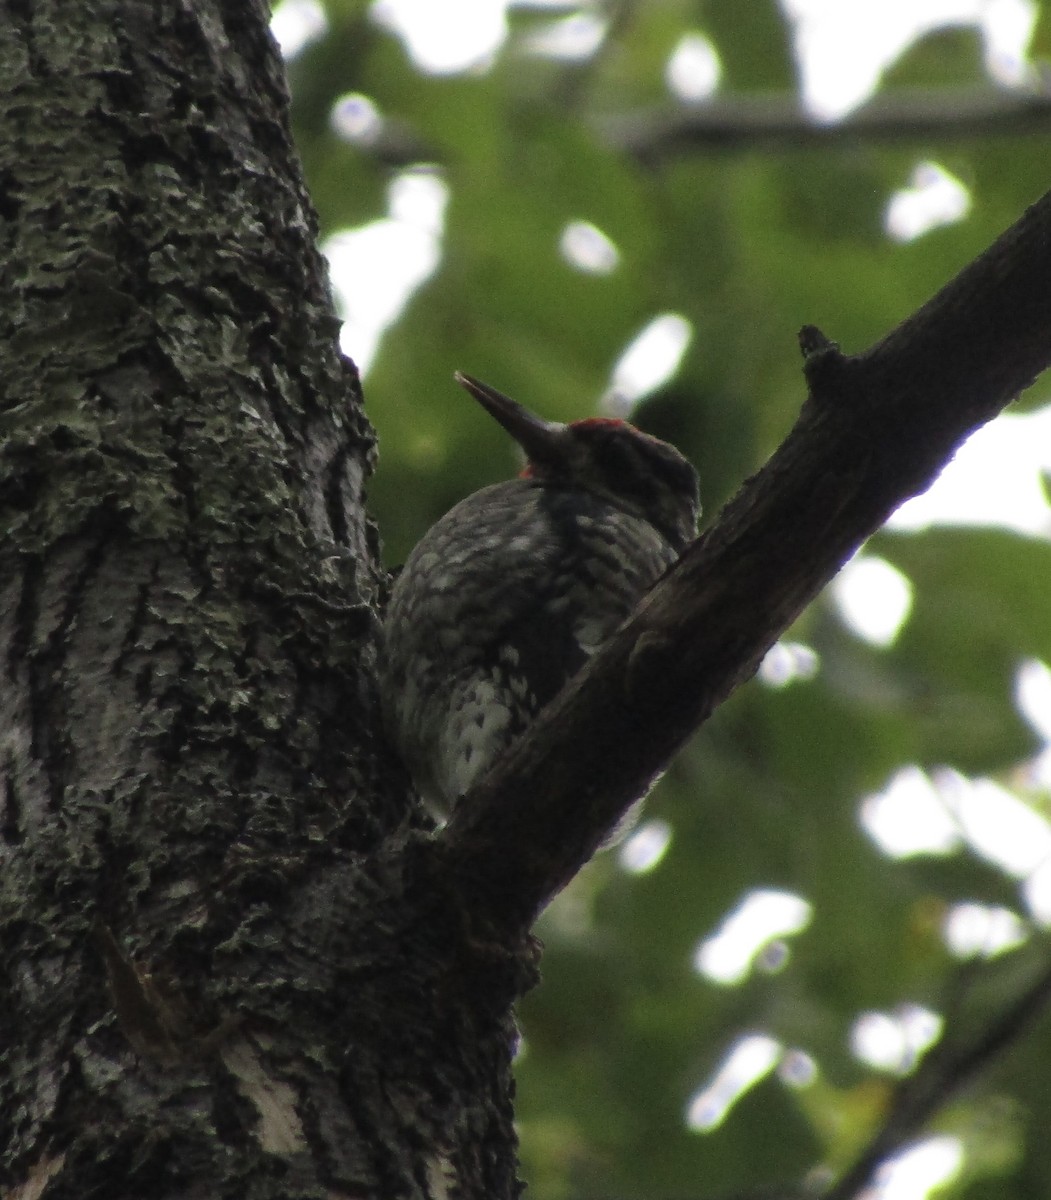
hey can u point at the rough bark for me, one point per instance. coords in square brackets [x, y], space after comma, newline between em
[232, 964]
[204, 990]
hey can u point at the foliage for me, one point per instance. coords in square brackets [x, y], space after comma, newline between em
[747, 243]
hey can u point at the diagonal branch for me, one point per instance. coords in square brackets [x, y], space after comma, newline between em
[876, 429]
[942, 1074]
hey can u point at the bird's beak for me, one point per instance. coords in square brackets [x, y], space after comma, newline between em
[543, 441]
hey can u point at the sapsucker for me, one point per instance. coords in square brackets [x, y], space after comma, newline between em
[510, 593]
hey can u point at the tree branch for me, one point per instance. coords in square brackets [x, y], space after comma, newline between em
[771, 121]
[941, 1075]
[875, 430]
[777, 120]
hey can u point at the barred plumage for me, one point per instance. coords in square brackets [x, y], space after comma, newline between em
[508, 595]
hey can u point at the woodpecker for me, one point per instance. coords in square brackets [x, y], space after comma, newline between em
[511, 592]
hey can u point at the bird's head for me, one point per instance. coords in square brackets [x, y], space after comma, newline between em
[603, 455]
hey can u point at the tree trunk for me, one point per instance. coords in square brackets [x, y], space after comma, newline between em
[234, 962]
[213, 983]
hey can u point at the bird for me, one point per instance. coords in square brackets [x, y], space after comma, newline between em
[510, 593]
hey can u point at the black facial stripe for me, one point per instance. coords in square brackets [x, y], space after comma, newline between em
[641, 465]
